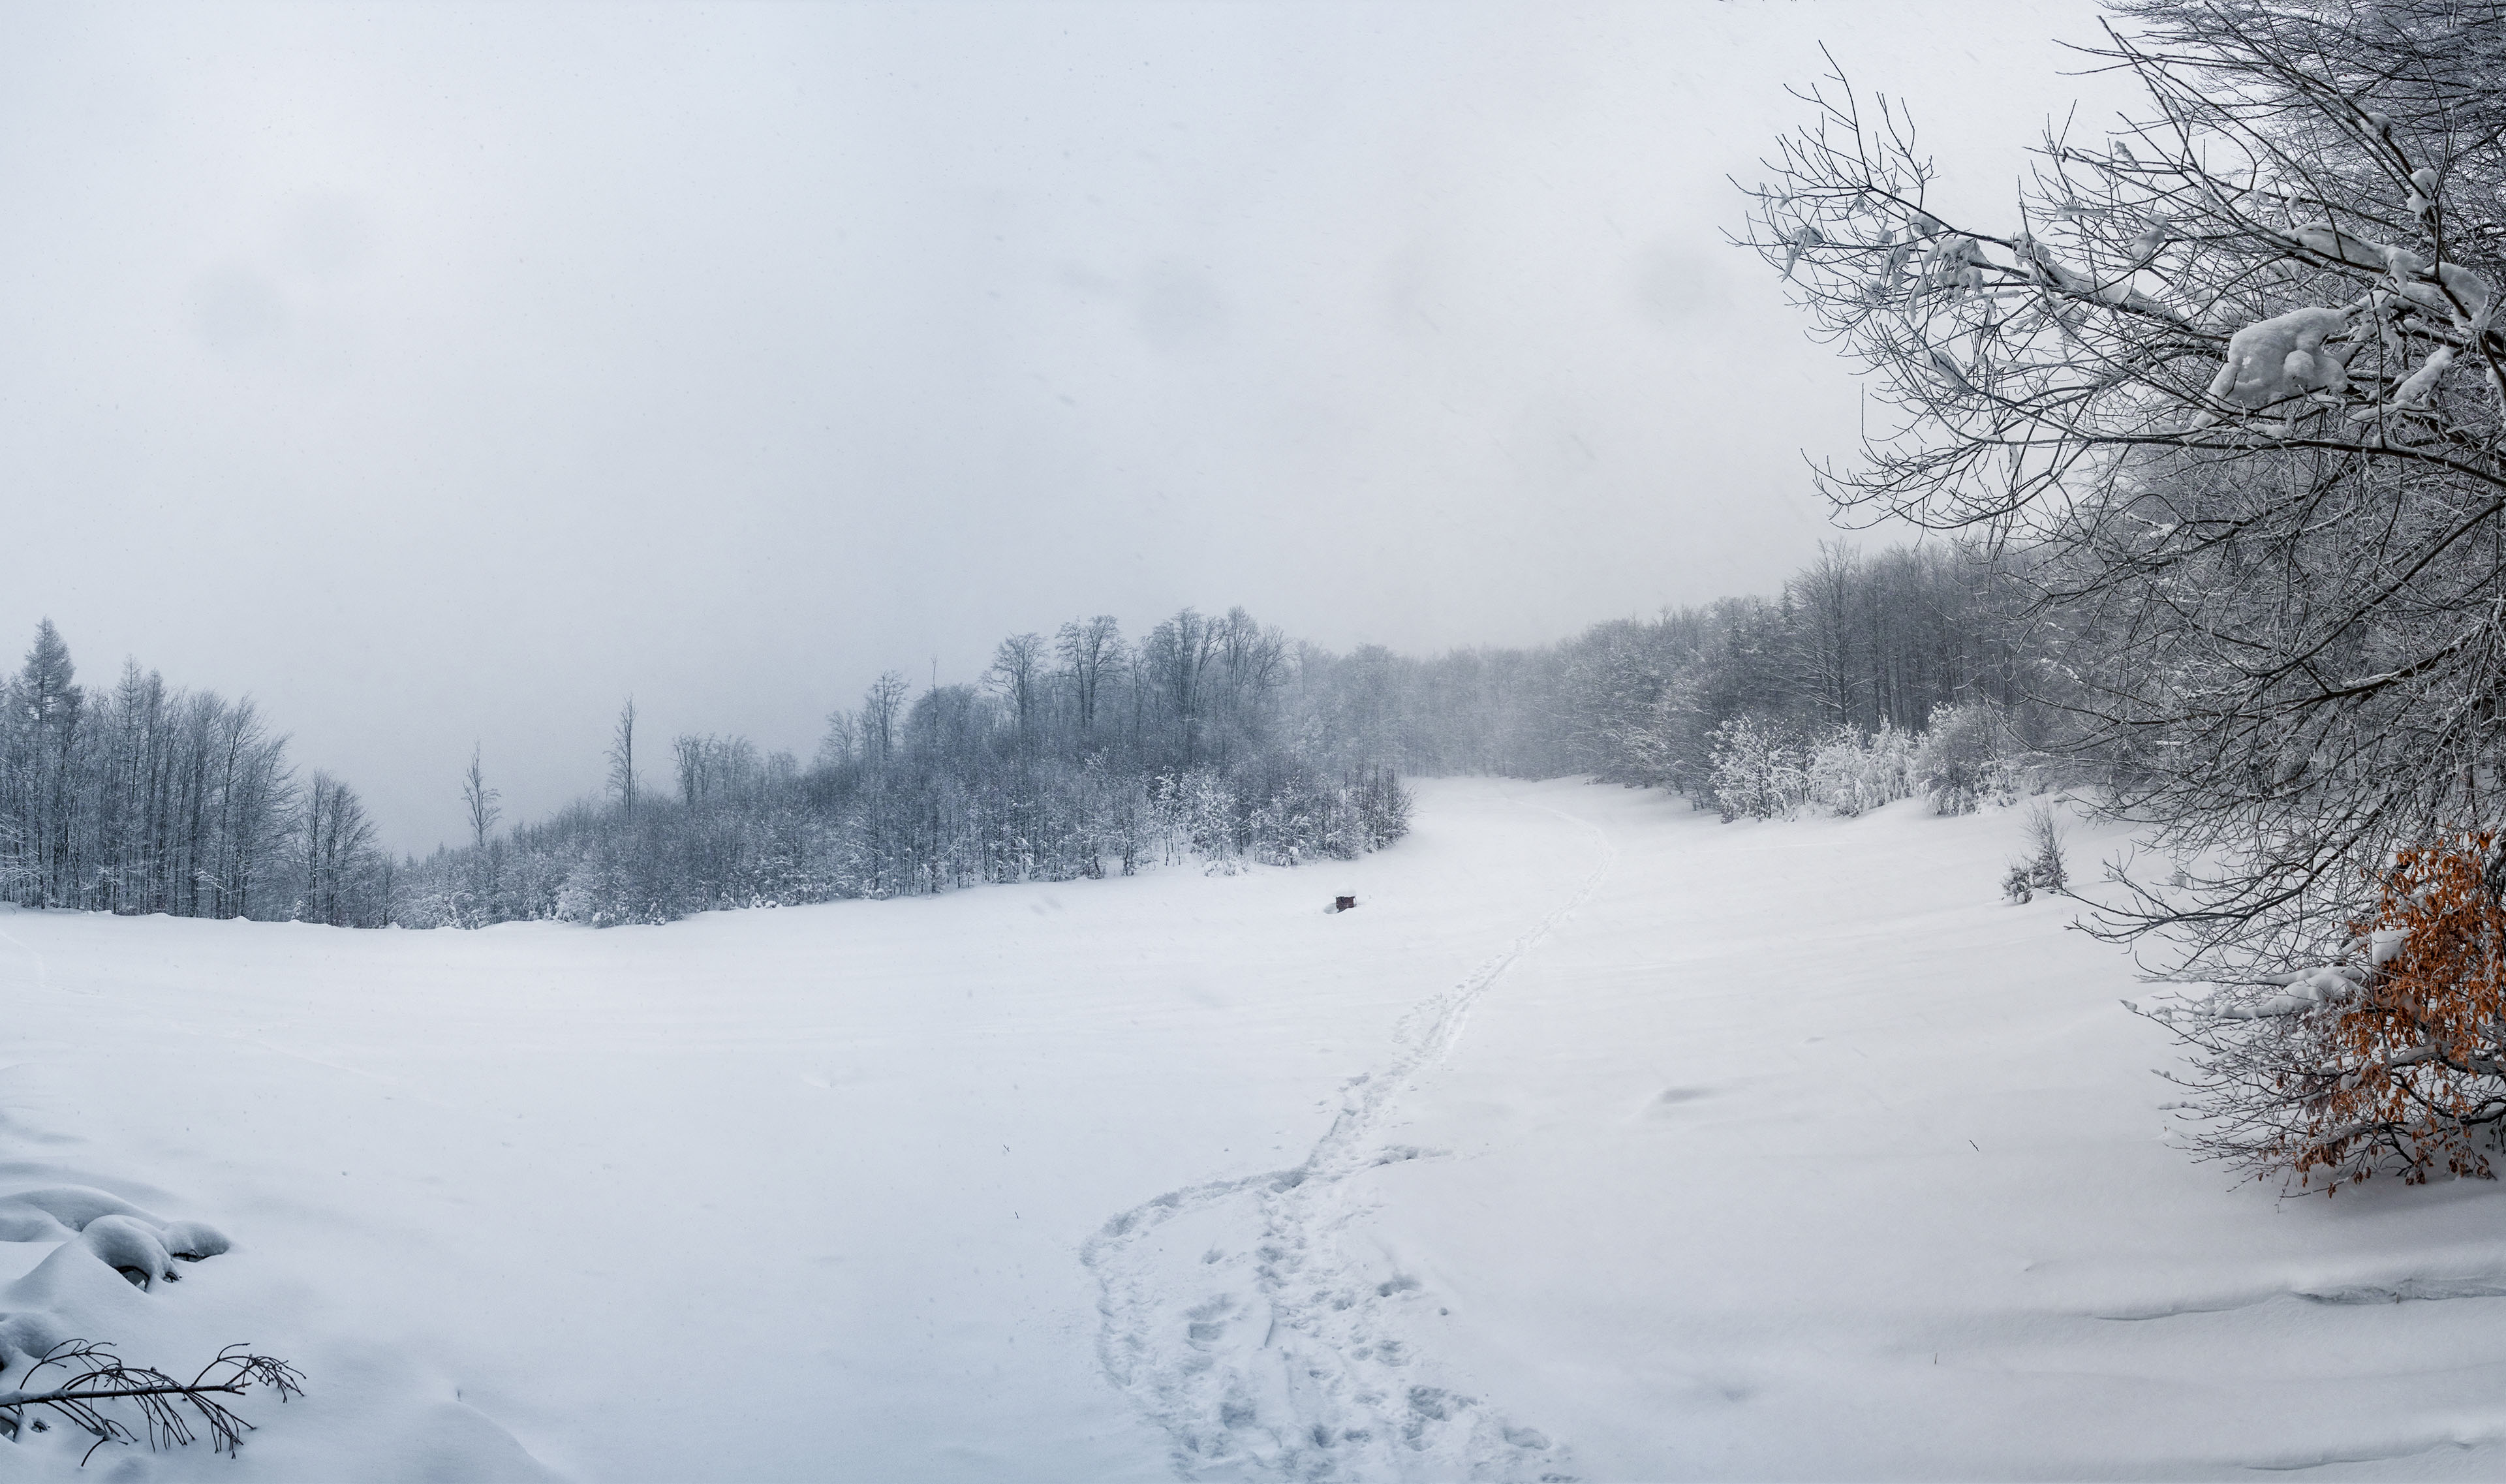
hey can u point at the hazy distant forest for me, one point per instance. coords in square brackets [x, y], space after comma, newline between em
[1211, 738]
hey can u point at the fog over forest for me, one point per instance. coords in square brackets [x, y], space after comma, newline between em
[1377, 742]
[440, 376]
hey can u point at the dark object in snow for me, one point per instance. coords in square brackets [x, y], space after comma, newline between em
[1343, 903]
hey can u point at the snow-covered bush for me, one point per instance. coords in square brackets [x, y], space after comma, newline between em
[2393, 1057]
[1196, 811]
[1284, 815]
[1854, 772]
[1967, 760]
[2043, 868]
[1760, 769]
[1765, 769]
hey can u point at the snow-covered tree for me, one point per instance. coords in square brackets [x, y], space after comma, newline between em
[1966, 759]
[1854, 772]
[1019, 673]
[139, 796]
[2230, 375]
[1761, 769]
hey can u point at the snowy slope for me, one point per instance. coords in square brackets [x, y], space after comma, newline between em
[1602, 1140]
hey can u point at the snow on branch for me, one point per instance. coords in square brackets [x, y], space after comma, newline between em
[2228, 383]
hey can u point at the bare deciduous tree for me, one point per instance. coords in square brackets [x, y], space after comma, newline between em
[1018, 674]
[2229, 375]
[479, 802]
[622, 756]
[1091, 652]
[883, 707]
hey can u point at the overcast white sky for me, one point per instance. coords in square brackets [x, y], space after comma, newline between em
[440, 373]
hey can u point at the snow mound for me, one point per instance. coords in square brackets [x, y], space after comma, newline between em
[70, 1206]
[105, 1279]
[194, 1241]
[130, 1248]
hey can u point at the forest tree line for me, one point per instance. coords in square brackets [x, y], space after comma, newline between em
[1217, 740]
[142, 797]
[1853, 651]
[1082, 754]
[1212, 739]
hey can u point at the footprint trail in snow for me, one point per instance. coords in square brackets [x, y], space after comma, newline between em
[1246, 1319]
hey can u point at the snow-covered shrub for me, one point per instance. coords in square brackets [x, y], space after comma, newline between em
[1854, 772]
[1378, 809]
[1288, 815]
[130, 1248]
[1967, 760]
[1194, 812]
[2392, 1057]
[2043, 868]
[1760, 769]
[2046, 864]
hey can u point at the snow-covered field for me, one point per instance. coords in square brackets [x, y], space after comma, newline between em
[1601, 1141]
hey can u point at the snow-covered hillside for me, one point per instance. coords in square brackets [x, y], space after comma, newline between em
[1602, 1140]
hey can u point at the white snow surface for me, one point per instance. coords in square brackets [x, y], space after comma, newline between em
[1601, 1141]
